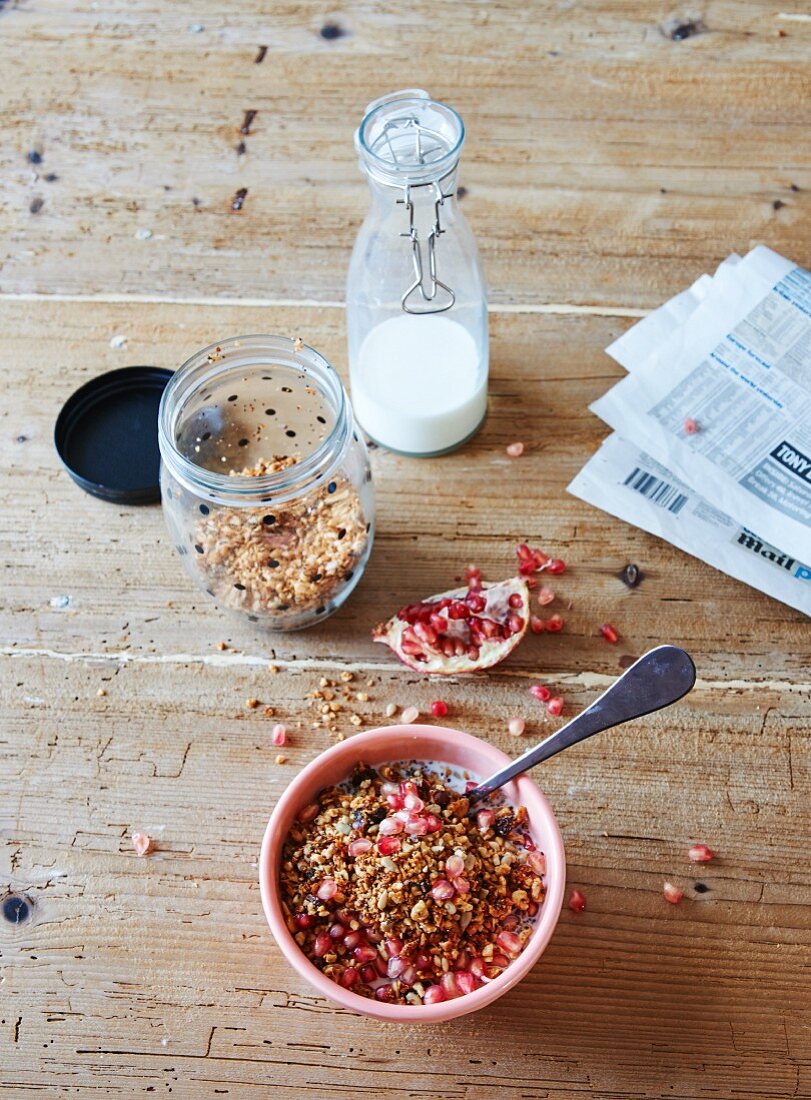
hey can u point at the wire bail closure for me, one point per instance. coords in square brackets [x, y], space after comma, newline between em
[427, 293]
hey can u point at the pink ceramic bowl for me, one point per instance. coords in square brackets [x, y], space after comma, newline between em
[380, 746]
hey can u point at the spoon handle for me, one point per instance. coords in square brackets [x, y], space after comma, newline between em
[660, 677]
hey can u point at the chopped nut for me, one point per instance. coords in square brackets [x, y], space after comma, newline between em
[251, 704]
[362, 696]
[273, 668]
[280, 759]
[222, 646]
[347, 676]
[391, 710]
[101, 691]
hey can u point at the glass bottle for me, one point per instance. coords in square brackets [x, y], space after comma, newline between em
[416, 294]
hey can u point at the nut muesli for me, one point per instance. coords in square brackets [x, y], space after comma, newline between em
[398, 889]
[292, 557]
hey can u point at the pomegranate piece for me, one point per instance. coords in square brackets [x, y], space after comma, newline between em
[577, 901]
[554, 623]
[555, 705]
[515, 450]
[439, 708]
[433, 995]
[672, 893]
[455, 865]
[699, 853]
[141, 843]
[690, 425]
[545, 596]
[516, 726]
[279, 735]
[388, 845]
[541, 693]
[556, 566]
[463, 630]
[609, 633]
[536, 624]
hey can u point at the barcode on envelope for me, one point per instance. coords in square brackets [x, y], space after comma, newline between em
[657, 491]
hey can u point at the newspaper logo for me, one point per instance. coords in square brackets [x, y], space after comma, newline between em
[793, 460]
[771, 554]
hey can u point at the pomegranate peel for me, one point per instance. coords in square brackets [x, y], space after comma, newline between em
[463, 630]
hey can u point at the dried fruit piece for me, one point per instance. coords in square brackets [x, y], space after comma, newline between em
[577, 901]
[699, 853]
[672, 893]
[142, 843]
[459, 631]
[609, 633]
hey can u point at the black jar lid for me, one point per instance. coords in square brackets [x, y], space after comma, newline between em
[107, 435]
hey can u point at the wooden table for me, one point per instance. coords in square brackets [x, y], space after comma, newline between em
[613, 155]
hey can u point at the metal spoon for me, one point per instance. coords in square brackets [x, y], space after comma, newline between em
[661, 677]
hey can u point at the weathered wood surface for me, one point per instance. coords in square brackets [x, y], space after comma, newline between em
[134, 976]
[605, 162]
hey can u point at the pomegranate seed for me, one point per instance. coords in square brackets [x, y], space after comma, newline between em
[465, 982]
[389, 788]
[473, 653]
[472, 571]
[524, 553]
[476, 602]
[439, 709]
[349, 977]
[515, 623]
[545, 596]
[279, 735]
[500, 960]
[321, 944]
[554, 623]
[407, 787]
[485, 819]
[408, 976]
[402, 815]
[426, 633]
[536, 624]
[353, 940]
[672, 893]
[359, 847]
[470, 784]
[536, 861]
[515, 450]
[516, 726]
[448, 983]
[388, 845]
[372, 936]
[396, 966]
[327, 890]
[409, 715]
[368, 974]
[414, 803]
[390, 825]
[336, 932]
[309, 812]
[141, 843]
[530, 583]
[526, 567]
[516, 600]
[433, 995]
[380, 965]
[577, 901]
[433, 822]
[304, 920]
[385, 993]
[394, 946]
[539, 558]
[364, 954]
[532, 909]
[422, 961]
[416, 826]
[609, 633]
[555, 705]
[478, 967]
[509, 942]
[541, 693]
[462, 885]
[395, 801]
[690, 425]
[454, 865]
[699, 853]
[556, 566]
[458, 610]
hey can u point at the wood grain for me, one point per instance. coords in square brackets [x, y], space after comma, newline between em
[133, 974]
[615, 151]
[606, 163]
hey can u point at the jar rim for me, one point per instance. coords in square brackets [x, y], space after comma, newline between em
[389, 170]
[201, 368]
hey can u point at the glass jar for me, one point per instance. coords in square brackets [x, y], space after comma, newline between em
[265, 481]
[416, 294]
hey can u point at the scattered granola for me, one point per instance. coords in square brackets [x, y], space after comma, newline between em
[291, 559]
[394, 887]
